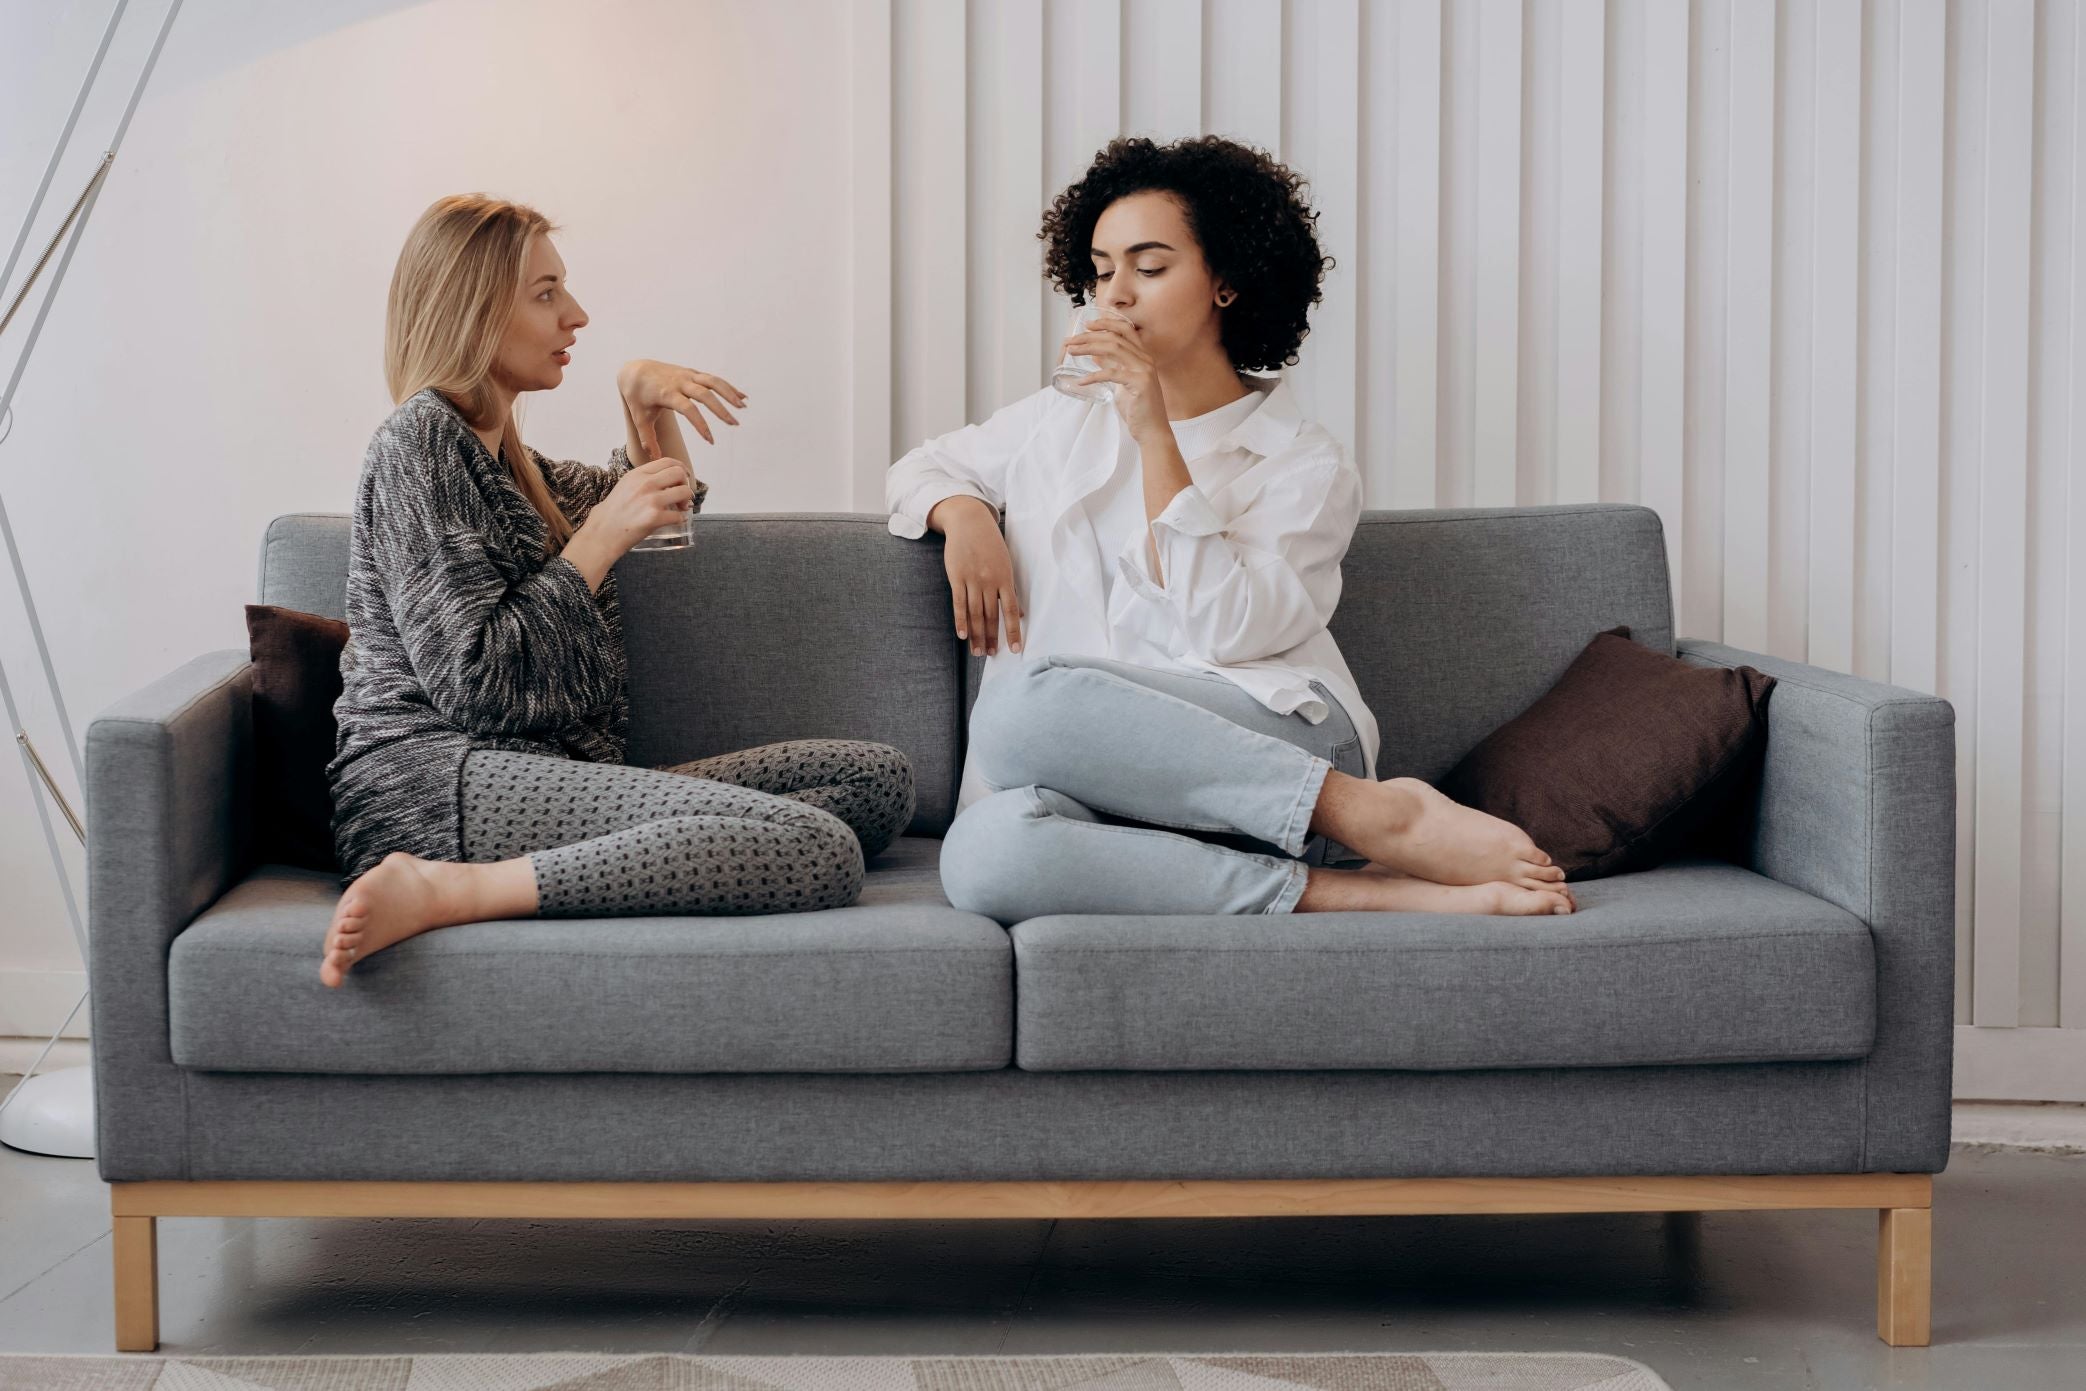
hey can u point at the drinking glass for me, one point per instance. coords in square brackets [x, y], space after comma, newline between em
[673, 535]
[1071, 369]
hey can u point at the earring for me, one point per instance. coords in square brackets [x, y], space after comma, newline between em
[1224, 300]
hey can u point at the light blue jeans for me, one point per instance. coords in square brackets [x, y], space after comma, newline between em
[1132, 790]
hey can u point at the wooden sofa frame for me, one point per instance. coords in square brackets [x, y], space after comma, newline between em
[1904, 1203]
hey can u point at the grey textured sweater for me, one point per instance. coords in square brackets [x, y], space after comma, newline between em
[462, 635]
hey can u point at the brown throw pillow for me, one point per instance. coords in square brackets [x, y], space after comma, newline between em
[296, 659]
[1632, 757]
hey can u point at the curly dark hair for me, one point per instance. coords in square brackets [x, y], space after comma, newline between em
[1246, 209]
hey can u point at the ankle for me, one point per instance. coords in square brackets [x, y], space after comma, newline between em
[455, 891]
[1343, 891]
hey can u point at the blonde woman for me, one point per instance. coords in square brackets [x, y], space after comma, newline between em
[479, 771]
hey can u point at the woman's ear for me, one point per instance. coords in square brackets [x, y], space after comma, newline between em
[1225, 295]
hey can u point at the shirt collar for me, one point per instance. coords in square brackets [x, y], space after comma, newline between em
[1271, 426]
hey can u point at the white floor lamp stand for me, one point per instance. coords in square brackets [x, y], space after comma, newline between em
[53, 1112]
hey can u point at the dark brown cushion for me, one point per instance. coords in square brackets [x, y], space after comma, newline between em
[1632, 757]
[296, 659]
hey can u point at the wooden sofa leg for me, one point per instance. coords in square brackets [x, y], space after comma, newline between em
[1904, 1275]
[137, 1283]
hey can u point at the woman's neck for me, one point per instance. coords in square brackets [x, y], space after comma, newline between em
[503, 403]
[1202, 385]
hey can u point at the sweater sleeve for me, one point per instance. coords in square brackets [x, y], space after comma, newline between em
[499, 648]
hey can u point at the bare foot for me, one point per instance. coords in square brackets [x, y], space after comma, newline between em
[400, 898]
[1408, 826]
[1511, 900]
[1378, 890]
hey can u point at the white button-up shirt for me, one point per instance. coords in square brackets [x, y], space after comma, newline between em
[1249, 554]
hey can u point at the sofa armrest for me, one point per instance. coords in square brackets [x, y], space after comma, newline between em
[1858, 807]
[169, 829]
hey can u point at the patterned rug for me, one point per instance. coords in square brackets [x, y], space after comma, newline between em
[578, 1371]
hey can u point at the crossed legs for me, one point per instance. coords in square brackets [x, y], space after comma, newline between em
[1121, 781]
[554, 837]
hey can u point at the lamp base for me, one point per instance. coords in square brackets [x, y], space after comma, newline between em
[52, 1114]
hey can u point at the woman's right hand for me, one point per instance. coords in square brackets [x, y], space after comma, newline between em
[981, 574]
[644, 499]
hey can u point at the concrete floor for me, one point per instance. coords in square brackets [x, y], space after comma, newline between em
[1719, 1300]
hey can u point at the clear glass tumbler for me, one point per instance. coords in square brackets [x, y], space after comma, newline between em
[1071, 369]
[673, 535]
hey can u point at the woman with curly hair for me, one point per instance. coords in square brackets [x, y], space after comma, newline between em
[1168, 727]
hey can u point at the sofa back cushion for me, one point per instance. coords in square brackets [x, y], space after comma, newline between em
[304, 564]
[770, 627]
[795, 626]
[1455, 621]
[810, 625]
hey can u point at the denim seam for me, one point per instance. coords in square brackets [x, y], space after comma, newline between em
[1159, 821]
[1286, 901]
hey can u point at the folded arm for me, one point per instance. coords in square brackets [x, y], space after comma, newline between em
[1250, 588]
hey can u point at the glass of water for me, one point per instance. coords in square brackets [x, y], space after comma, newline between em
[673, 535]
[1072, 368]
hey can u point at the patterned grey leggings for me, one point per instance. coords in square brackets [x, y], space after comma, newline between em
[783, 828]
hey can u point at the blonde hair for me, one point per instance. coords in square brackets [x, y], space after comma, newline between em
[452, 296]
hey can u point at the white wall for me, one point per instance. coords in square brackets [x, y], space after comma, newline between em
[214, 357]
[1801, 274]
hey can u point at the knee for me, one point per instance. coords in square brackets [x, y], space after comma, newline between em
[833, 861]
[892, 772]
[996, 857]
[1011, 726]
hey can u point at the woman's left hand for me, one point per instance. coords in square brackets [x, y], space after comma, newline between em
[1112, 343]
[649, 387]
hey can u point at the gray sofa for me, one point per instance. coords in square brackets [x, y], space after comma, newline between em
[1705, 1035]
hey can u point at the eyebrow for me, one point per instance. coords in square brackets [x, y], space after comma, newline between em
[546, 276]
[1141, 246]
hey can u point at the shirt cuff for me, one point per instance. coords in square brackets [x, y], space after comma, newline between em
[909, 518]
[1190, 514]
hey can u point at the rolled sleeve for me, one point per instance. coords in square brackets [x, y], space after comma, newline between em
[909, 513]
[1189, 514]
[972, 462]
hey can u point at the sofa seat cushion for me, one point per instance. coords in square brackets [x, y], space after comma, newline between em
[1697, 961]
[899, 982]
